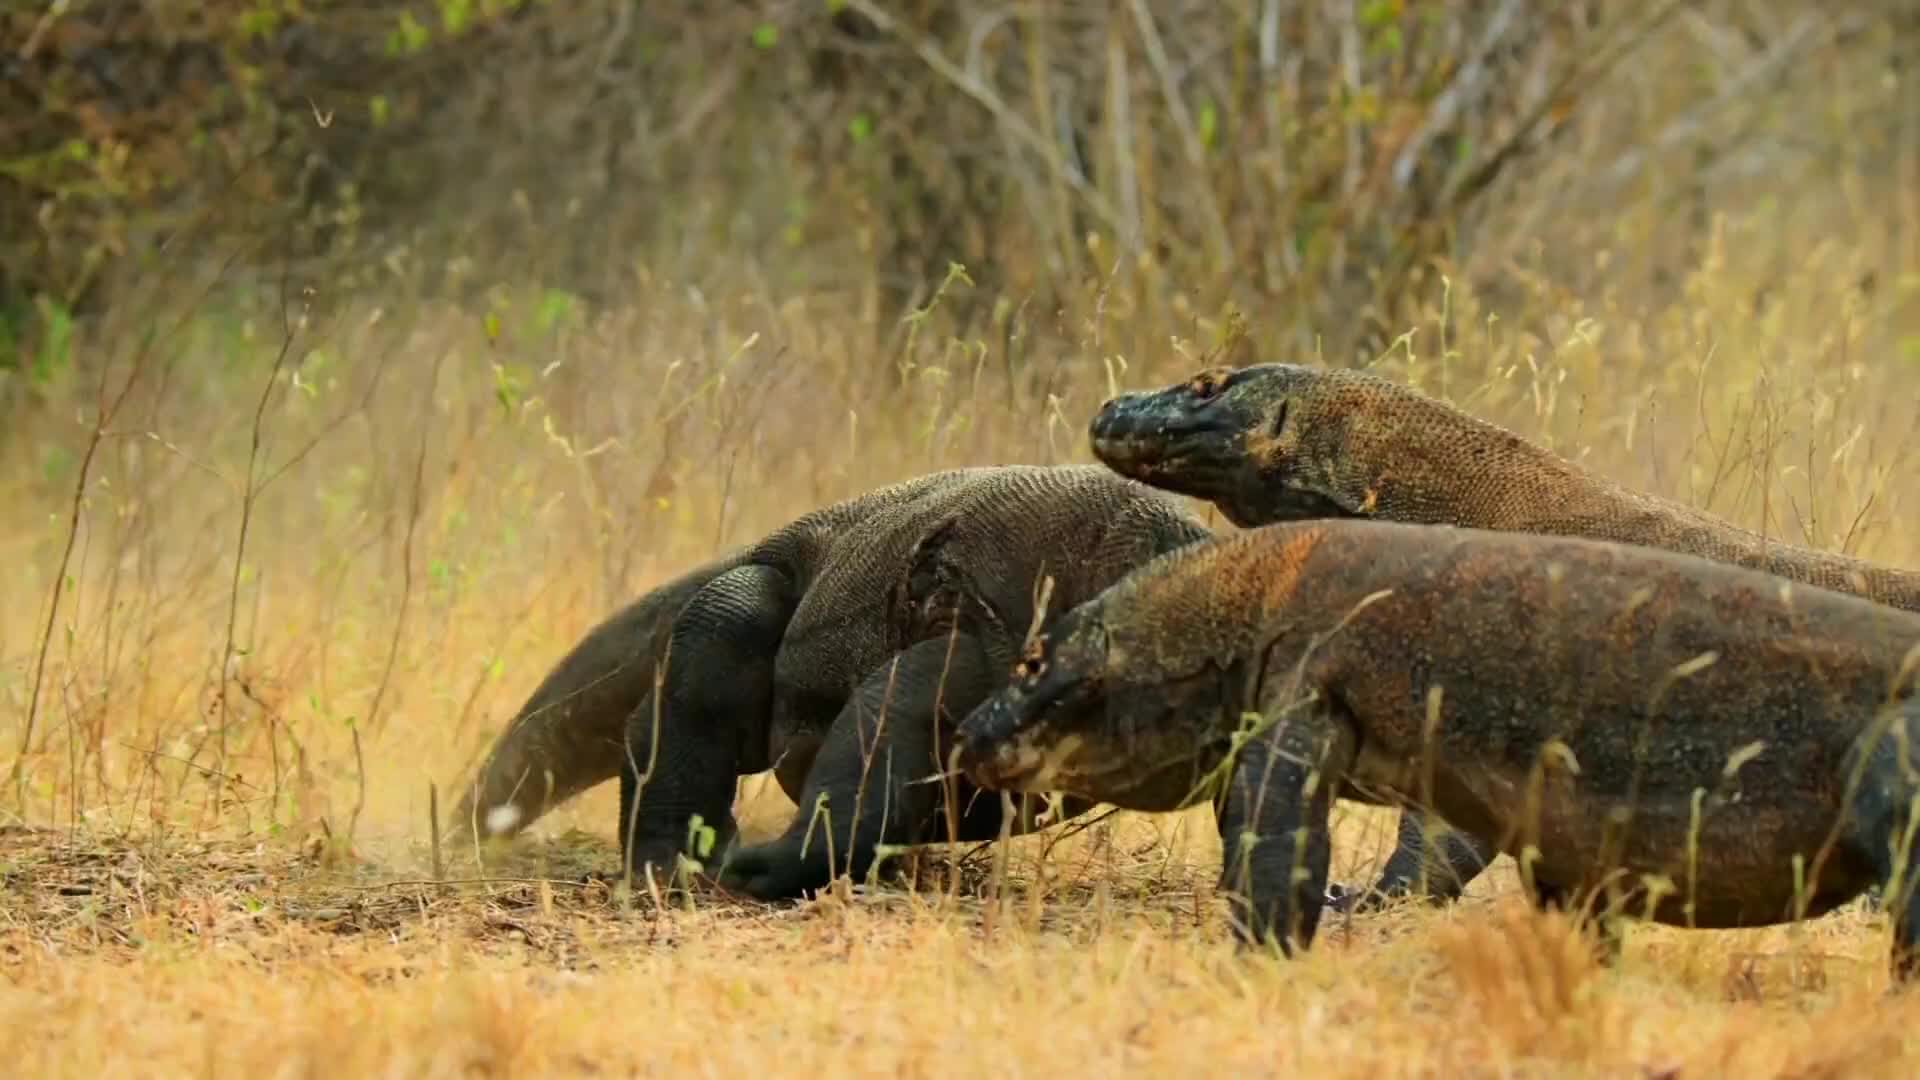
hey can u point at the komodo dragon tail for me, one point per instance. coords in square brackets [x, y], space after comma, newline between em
[570, 733]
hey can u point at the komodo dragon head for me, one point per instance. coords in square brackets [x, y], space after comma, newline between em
[1072, 720]
[1282, 442]
[1236, 437]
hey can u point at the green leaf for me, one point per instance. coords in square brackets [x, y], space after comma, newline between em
[56, 462]
[701, 835]
[456, 14]
[56, 347]
[506, 390]
[555, 305]
[860, 127]
[259, 23]
[1209, 123]
[379, 110]
[765, 35]
[408, 38]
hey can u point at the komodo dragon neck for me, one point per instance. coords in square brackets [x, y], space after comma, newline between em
[1432, 463]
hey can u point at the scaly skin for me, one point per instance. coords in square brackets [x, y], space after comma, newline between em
[1585, 706]
[1280, 442]
[816, 653]
[570, 735]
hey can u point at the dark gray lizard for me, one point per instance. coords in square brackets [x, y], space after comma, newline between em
[1692, 742]
[1279, 442]
[835, 652]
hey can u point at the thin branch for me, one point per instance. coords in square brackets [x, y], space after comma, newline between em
[1189, 135]
[1588, 74]
[1687, 126]
[331, 426]
[160, 756]
[1465, 83]
[984, 96]
[416, 883]
[406, 579]
[248, 494]
[104, 413]
[183, 455]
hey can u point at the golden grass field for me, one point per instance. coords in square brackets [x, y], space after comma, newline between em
[215, 855]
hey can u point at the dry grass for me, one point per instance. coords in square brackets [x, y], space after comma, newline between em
[217, 858]
[242, 956]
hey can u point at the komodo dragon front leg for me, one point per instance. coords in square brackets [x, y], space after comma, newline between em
[878, 778]
[1275, 839]
[716, 705]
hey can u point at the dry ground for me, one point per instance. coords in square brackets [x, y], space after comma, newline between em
[215, 855]
[230, 958]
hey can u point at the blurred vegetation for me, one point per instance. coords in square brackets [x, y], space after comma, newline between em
[1319, 164]
[356, 356]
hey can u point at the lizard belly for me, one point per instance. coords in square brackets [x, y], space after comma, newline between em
[1729, 865]
[799, 726]
[1379, 776]
[1383, 776]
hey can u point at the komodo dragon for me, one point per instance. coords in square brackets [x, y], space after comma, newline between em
[1278, 442]
[1715, 733]
[793, 653]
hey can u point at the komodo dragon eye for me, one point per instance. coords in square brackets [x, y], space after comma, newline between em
[1033, 663]
[1208, 383]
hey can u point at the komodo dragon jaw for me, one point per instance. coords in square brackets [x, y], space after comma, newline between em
[1063, 724]
[1051, 701]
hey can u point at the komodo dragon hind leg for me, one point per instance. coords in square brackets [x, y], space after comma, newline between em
[1461, 858]
[1880, 829]
[1274, 836]
[716, 699]
[876, 772]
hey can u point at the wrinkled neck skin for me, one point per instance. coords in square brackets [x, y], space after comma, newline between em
[1268, 495]
[1364, 450]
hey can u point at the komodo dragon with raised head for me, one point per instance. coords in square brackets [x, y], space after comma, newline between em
[1717, 735]
[817, 653]
[1280, 442]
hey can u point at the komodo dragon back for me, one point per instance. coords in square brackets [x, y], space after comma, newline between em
[1278, 442]
[1014, 556]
